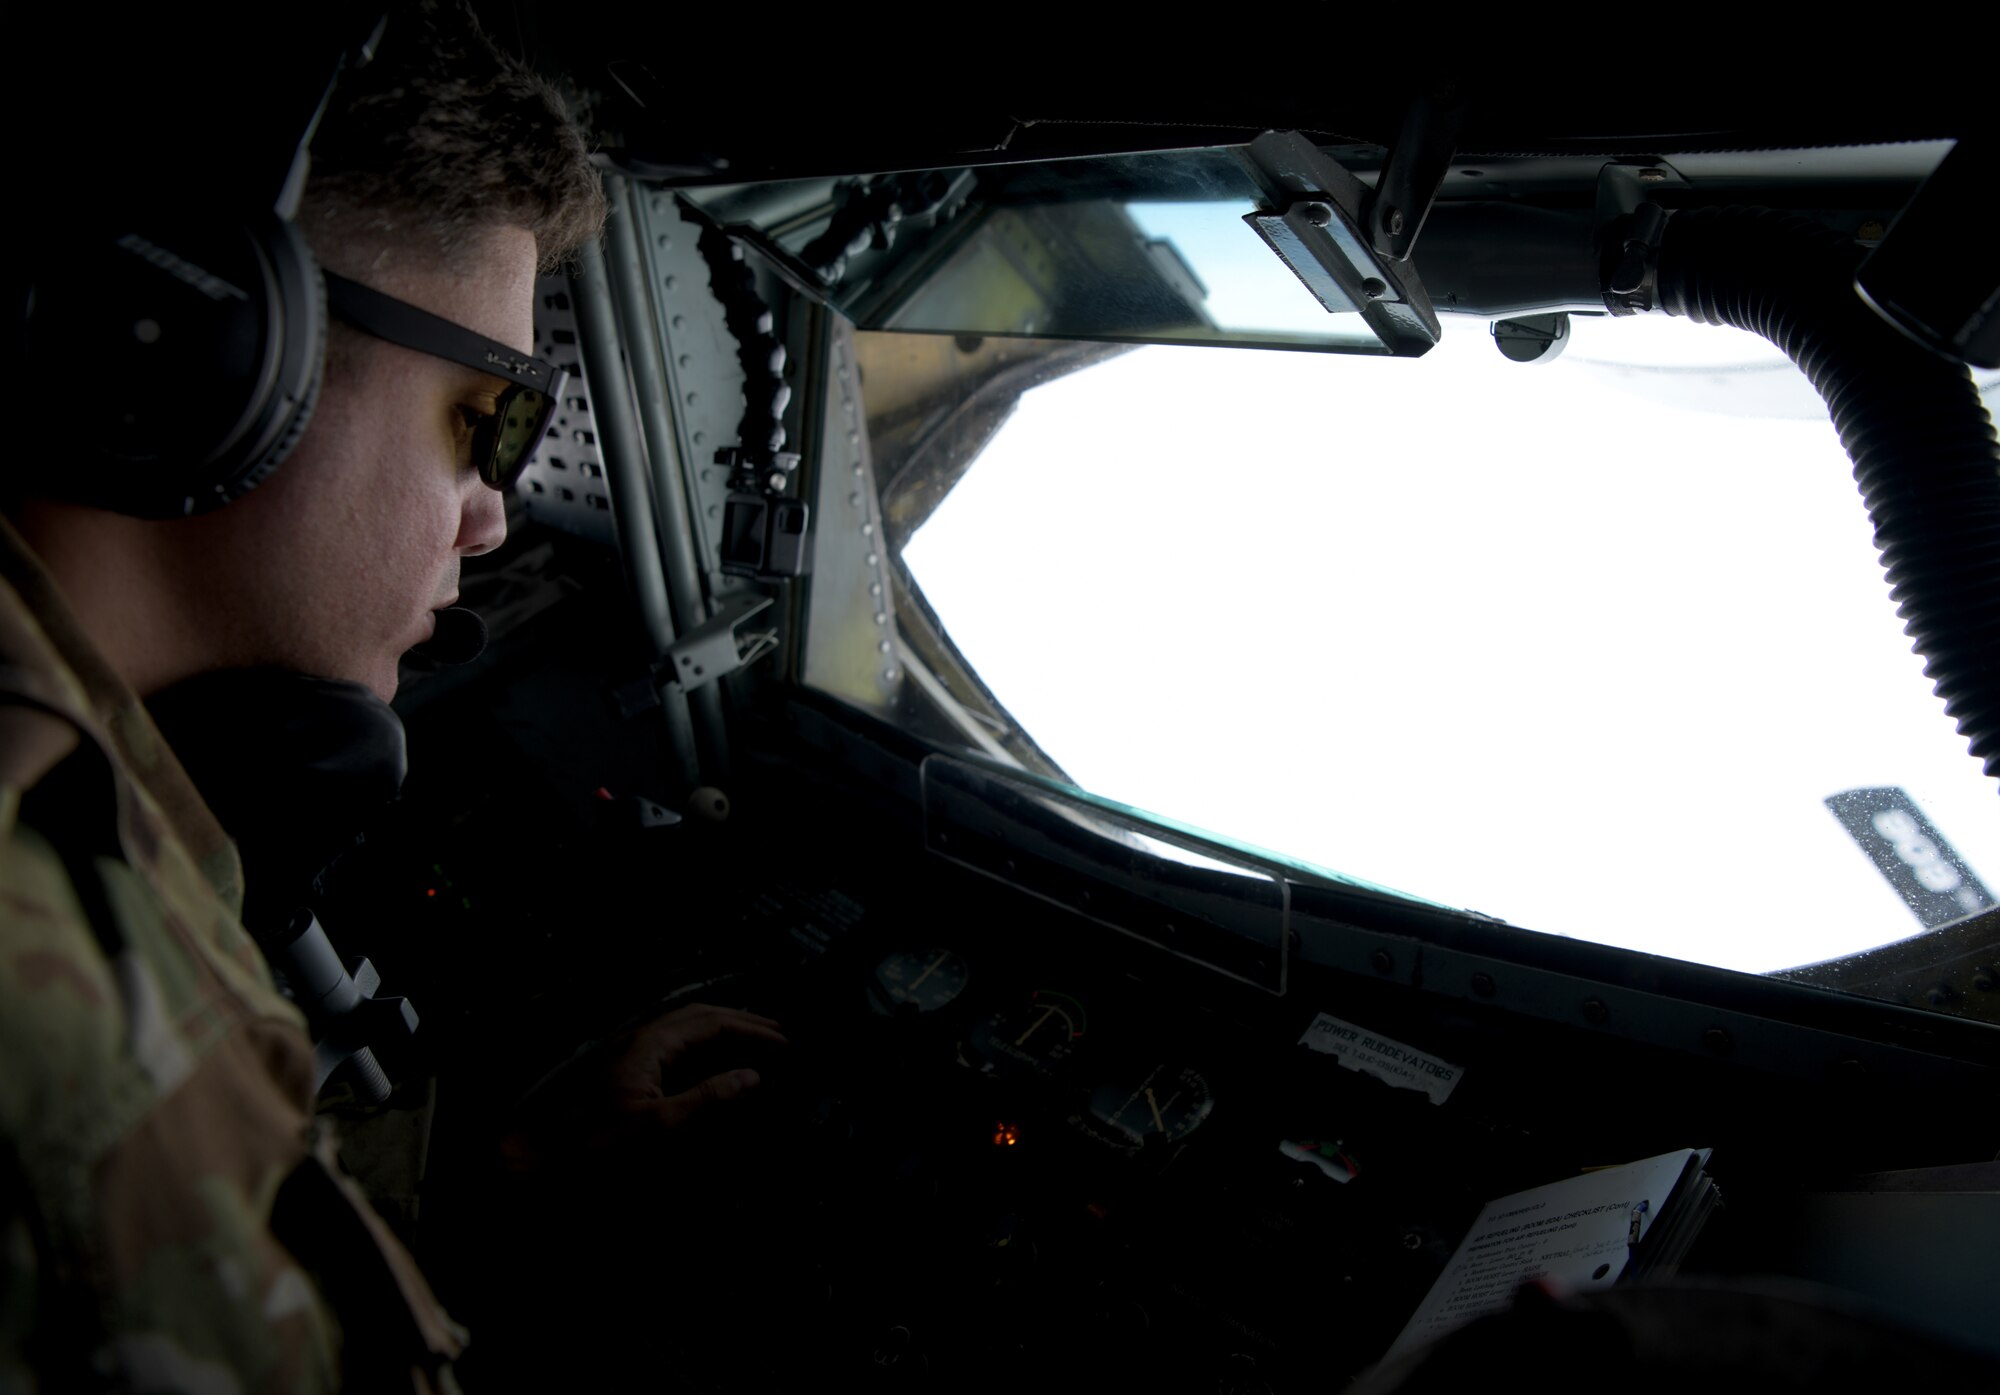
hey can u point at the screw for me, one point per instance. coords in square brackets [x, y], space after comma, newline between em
[1652, 176]
[1413, 1241]
[1394, 220]
[1718, 1041]
[1939, 995]
[1483, 985]
[1871, 231]
[147, 331]
[775, 481]
[1374, 289]
[1382, 961]
[1982, 978]
[1318, 214]
[1595, 1013]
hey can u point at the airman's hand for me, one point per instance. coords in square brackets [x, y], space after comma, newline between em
[636, 1089]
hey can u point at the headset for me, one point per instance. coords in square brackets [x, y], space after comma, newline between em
[183, 332]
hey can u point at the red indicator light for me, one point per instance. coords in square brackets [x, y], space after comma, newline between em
[430, 891]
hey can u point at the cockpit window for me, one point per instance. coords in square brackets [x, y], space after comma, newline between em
[1588, 645]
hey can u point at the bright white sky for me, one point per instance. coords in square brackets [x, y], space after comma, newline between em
[1528, 640]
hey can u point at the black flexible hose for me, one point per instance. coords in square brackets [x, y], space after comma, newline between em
[1912, 422]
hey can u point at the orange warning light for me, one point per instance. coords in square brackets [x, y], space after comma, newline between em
[1005, 1136]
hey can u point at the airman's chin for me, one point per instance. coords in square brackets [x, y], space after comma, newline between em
[383, 681]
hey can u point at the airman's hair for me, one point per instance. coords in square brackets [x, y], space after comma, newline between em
[441, 140]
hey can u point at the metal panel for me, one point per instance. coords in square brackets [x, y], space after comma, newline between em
[704, 379]
[565, 488]
[851, 646]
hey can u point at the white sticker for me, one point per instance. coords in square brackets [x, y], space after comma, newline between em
[1391, 1062]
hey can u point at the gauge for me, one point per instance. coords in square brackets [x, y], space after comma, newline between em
[917, 981]
[1167, 1105]
[1034, 1036]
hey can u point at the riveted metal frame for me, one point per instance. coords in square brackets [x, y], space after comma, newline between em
[853, 650]
[564, 488]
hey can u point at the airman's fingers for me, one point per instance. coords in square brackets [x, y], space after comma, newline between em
[675, 1110]
[690, 1009]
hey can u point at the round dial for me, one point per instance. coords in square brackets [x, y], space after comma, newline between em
[1167, 1105]
[1033, 1036]
[918, 981]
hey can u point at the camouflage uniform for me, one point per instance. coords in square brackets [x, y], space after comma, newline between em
[172, 1216]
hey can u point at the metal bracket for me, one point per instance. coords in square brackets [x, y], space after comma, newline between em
[1413, 173]
[1630, 224]
[714, 650]
[1313, 220]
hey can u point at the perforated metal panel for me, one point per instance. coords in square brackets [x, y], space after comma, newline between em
[565, 488]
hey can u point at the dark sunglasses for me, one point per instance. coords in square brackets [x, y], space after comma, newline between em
[503, 443]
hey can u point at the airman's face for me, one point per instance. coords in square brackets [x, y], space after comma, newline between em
[335, 564]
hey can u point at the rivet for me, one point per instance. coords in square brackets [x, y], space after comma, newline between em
[146, 331]
[668, 282]
[873, 560]
[693, 398]
[876, 589]
[886, 647]
[666, 243]
[686, 359]
[1413, 1241]
[1374, 289]
[1852, 1068]
[1483, 985]
[677, 322]
[1395, 222]
[891, 674]
[1382, 962]
[1871, 231]
[867, 530]
[1652, 176]
[857, 468]
[881, 618]
[1595, 1012]
[714, 511]
[1717, 1040]
[1983, 978]
[854, 438]
[698, 438]
[1318, 214]
[854, 499]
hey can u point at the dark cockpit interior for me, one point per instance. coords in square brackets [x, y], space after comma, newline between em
[1172, 1031]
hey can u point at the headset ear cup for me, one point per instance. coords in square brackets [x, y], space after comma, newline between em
[189, 356]
[302, 373]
